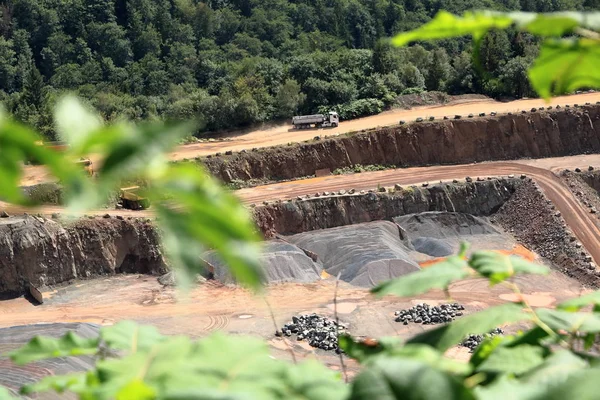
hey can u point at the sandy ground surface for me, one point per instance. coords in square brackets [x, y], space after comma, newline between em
[583, 224]
[285, 134]
[213, 307]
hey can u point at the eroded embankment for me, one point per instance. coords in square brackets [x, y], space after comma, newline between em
[476, 198]
[538, 134]
[535, 222]
[44, 252]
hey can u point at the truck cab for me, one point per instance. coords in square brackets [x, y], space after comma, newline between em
[334, 119]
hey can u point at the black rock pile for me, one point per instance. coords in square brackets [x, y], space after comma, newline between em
[430, 315]
[473, 341]
[320, 332]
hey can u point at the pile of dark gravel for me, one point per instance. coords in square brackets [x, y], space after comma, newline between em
[430, 315]
[473, 341]
[320, 332]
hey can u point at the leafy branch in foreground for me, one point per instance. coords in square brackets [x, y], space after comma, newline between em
[199, 214]
[568, 57]
[536, 363]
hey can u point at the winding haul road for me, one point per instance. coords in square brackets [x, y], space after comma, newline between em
[584, 225]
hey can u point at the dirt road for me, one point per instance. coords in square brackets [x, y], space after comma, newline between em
[284, 134]
[585, 226]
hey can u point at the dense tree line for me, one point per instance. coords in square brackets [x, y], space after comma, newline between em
[239, 62]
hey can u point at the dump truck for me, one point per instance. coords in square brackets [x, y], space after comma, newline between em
[86, 164]
[131, 199]
[58, 146]
[331, 119]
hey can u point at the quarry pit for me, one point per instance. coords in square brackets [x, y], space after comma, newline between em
[104, 268]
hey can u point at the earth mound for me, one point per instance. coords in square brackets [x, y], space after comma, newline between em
[364, 254]
[282, 262]
[439, 234]
[13, 376]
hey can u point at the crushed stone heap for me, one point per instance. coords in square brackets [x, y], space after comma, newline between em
[473, 341]
[430, 315]
[320, 332]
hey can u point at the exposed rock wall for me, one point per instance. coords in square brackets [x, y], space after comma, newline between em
[539, 134]
[44, 252]
[477, 198]
[529, 217]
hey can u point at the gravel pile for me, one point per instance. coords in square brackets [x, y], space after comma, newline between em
[537, 224]
[320, 332]
[473, 341]
[430, 315]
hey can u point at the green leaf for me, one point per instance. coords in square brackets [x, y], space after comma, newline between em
[128, 335]
[551, 25]
[225, 367]
[535, 335]
[136, 390]
[437, 276]
[311, 380]
[564, 66]
[578, 303]
[558, 377]
[362, 352]
[5, 394]
[446, 336]
[42, 347]
[445, 25]
[60, 384]
[506, 387]
[18, 144]
[570, 321]
[74, 123]
[556, 368]
[204, 213]
[487, 347]
[579, 385]
[407, 379]
[498, 267]
[392, 347]
[515, 360]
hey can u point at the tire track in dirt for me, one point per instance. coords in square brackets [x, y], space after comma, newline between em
[216, 323]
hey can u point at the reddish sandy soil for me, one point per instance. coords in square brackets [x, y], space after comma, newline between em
[584, 225]
[211, 307]
[285, 134]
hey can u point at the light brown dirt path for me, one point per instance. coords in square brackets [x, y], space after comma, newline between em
[284, 134]
[212, 307]
[580, 221]
[583, 224]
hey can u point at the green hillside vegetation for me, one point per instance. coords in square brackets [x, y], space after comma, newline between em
[235, 63]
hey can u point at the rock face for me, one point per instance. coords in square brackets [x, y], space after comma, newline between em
[540, 134]
[533, 222]
[476, 198]
[44, 252]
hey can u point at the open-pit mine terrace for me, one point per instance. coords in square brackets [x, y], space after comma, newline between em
[498, 182]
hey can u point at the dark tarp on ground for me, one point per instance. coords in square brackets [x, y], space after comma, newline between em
[282, 262]
[366, 254]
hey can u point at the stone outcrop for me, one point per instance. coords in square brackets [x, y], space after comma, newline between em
[534, 222]
[476, 198]
[504, 137]
[43, 252]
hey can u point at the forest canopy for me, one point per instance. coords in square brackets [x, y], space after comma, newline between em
[233, 63]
